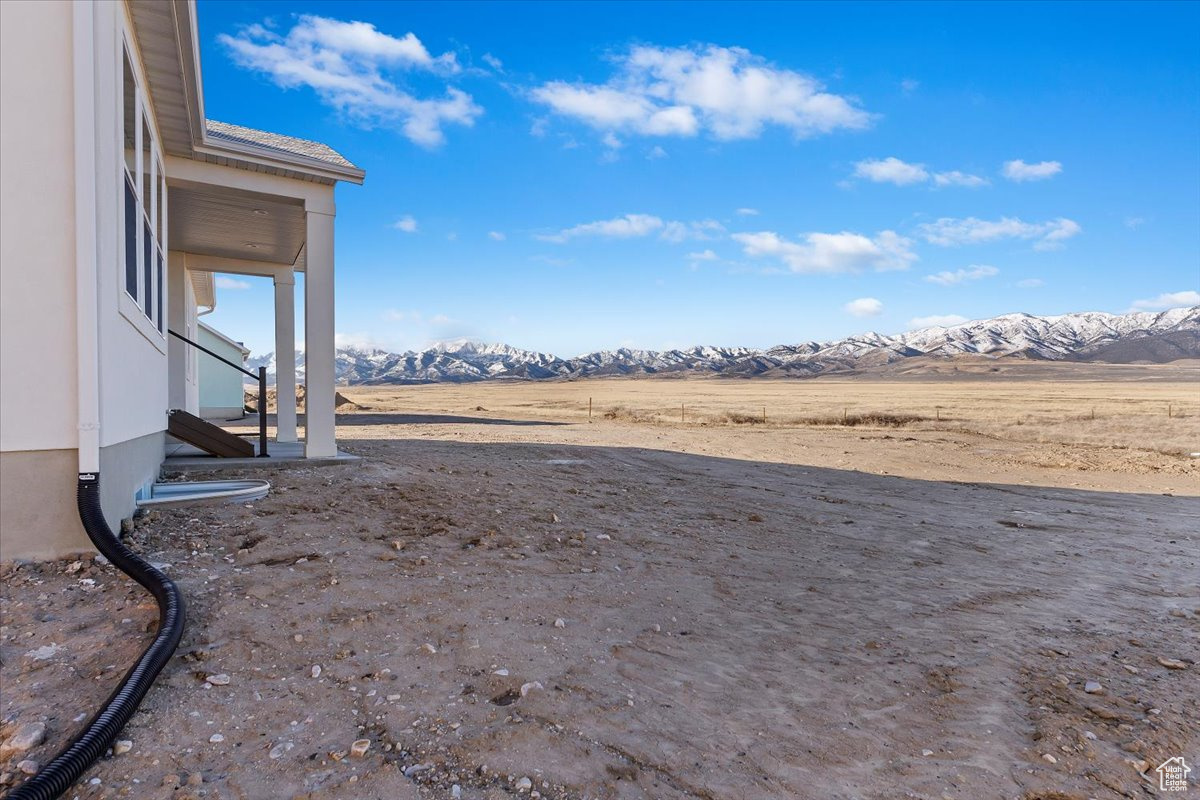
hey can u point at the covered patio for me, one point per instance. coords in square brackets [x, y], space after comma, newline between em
[245, 202]
[241, 222]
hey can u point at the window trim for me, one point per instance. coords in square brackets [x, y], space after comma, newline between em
[150, 325]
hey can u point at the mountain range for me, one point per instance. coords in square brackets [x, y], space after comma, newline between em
[1140, 337]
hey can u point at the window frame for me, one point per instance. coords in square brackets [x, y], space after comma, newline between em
[147, 311]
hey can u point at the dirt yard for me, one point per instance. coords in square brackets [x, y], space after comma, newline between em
[506, 598]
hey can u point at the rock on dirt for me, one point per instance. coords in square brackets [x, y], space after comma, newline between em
[24, 739]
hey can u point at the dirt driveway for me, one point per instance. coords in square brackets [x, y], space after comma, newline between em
[570, 621]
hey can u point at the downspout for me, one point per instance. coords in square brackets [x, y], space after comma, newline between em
[101, 731]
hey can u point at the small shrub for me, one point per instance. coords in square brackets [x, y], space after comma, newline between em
[738, 418]
[629, 414]
[879, 419]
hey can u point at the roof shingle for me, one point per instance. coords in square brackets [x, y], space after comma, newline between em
[287, 145]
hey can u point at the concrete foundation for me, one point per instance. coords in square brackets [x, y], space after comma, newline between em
[38, 515]
[38, 518]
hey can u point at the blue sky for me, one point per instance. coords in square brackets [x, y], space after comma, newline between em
[568, 177]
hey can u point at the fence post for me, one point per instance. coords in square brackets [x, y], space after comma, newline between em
[589, 408]
[262, 412]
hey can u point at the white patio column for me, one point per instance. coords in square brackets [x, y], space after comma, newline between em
[319, 440]
[285, 355]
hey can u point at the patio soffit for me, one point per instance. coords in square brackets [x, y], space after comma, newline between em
[235, 224]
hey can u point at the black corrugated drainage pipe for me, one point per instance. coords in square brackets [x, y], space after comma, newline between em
[101, 731]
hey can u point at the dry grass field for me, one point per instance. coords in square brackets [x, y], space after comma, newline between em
[1123, 428]
[1162, 415]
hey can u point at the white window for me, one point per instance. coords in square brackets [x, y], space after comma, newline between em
[144, 206]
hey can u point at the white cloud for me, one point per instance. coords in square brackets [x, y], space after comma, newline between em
[358, 341]
[700, 230]
[493, 62]
[626, 227]
[1168, 300]
[406, 223]
[972, 273]
[909, 85]
[703, 255]
[904, 173]
[956, 178]
[864, 307]
[656, 153]
[937, 321]
[832, 252]
[611, 141]
[1019, 171]
[222, 282]
[633, 226]
[951, 232]
[496, 236]
[891, 170]
[1030, 283]
[1133, 223]
[357, 69]
[412, 329]
[747, 212]
[728, 93]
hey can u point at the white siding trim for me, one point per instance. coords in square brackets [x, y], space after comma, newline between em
[87, 326]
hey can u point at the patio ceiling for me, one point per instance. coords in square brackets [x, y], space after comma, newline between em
[230, 223]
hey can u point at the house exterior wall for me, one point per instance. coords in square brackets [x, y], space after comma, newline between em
[39, 393]
[133, 354]
[220, 385]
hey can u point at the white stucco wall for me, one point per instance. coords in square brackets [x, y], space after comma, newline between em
[133, 368]
[39, 176]
[38, 396]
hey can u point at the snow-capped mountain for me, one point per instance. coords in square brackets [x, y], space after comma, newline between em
[1086, 336]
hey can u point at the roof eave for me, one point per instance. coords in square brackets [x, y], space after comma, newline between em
[224, 337]
[271, 158]
[187, 34]
[204, 287]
